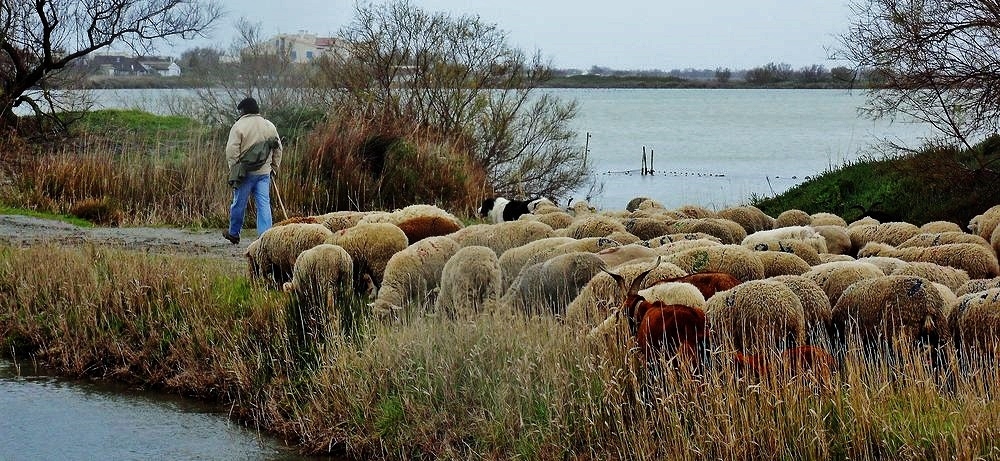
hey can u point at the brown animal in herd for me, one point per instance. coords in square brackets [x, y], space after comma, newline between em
[673, 329]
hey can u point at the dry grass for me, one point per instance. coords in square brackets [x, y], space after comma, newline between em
[499, 387]
[117, 176]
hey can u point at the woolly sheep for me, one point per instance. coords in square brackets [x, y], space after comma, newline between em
[674, 293]
[618, 255]
[751, 218]
[984, 224]
[677, 247]
[890, 233]
[976, 322]
[736, 260]
[648, 228]
[513, 234]
[790, 218]
[320, 286]
[470, 281]
[816, 307]
[865, 221]
[555, 219]
[945, 275]
[602, 293]
[937, 227]
[581, 208]
[370, 246]
[975, 285]
[827, 219]
[895, 309]
[626, 238]
[834, 277]
[502, 236]
[514, 259]
[419, 221]
[836, 238]
[976, 261]
[697, 212]
[548, 287]
[757, 316]
[829, 258]
[781, 263]
[800, 248]
[927, 239]
[950, 301]
[299, 220]
[634, 203]
[321, 275]
[412, 274]
[995, 240]
[339, 220]
[594, 225]
[725, 230]
[806, 234]
[272, 256]
[589, 245]
[887, 264]
[671, 238]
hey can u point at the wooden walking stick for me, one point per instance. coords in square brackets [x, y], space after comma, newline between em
[277, 194]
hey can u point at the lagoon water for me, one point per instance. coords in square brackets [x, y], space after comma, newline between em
[47, 418]
[714, 148]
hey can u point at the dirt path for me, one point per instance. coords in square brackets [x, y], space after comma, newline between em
[20, 230]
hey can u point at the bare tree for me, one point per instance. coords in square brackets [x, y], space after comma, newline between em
[459, 76]
[937, 61]
[39, 39]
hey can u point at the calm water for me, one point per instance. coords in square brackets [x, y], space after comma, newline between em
[717, 147]
[713, 148]
[46, 418]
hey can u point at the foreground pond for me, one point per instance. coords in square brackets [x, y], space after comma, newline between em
[43, 417]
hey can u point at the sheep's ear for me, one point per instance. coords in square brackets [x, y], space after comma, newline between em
[641, 277]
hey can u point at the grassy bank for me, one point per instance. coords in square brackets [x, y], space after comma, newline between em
[940, 183]
[495, 387]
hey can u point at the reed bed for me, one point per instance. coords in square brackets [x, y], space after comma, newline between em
[500, 386]
[128, 168]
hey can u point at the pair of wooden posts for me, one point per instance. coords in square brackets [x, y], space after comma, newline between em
[647, 170]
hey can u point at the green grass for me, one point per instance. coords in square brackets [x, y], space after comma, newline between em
[138, 123]
[935, 184]
[8, 210]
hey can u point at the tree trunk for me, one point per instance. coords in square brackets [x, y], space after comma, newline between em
[8, 121]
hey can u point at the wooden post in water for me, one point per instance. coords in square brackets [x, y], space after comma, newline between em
[644, 160]
[651, 161]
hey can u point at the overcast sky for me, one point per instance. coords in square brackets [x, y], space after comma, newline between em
[623, 34]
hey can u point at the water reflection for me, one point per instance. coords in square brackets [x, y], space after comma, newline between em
[44, 418]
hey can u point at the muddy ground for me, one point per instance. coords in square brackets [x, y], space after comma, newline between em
[24, 230]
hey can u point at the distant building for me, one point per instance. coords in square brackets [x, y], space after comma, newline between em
[120, 65]
[304, 47]
[161, 67]
[114, 65]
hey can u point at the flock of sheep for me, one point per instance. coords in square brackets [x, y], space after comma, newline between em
[799, 280]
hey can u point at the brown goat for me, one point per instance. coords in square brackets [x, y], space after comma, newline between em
[708, 283]
[658, 326]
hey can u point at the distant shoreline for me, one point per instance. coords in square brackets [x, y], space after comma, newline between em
[571, 82]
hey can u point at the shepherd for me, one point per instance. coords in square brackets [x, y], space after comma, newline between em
[253, 154]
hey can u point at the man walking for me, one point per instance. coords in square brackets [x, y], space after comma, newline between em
[253, 154]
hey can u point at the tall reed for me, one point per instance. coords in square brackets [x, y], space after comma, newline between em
[500, 386]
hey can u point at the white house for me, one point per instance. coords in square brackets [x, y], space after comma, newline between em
[304, 47]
